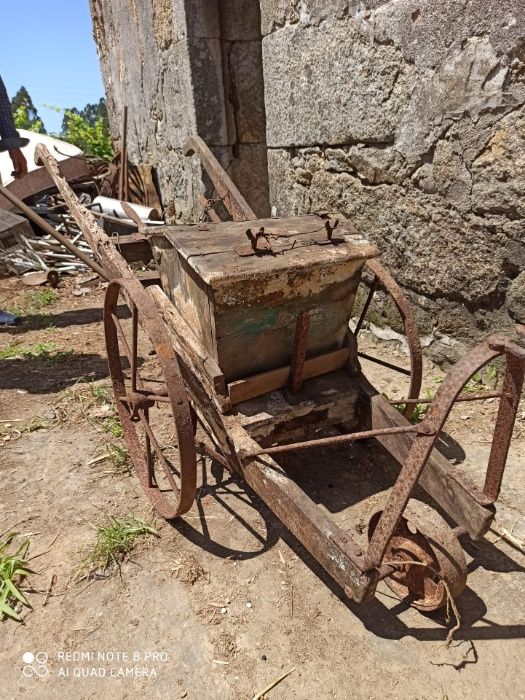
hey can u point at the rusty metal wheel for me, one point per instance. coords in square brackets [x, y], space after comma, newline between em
[167, 471]
[383, 278]
[438, 562]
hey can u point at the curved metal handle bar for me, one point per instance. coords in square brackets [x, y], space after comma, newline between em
[437, 414]
[234, 201]
[410, 326]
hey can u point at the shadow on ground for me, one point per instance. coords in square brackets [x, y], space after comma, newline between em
[42, 376]
[64, 319]
[378, 618]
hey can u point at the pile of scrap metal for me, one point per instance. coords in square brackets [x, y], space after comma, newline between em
[37, 233]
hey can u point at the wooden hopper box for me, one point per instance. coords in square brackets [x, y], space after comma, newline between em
[244, 308]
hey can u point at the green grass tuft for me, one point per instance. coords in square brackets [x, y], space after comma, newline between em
[13, 570]
[100, 392]
[113, 545]
[111, 425]
[41, 298]
[119, 458]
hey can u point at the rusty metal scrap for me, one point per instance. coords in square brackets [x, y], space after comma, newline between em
[438, 412]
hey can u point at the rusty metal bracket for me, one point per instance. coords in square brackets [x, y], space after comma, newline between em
[329, 238]
[259, 244]
[300, 345]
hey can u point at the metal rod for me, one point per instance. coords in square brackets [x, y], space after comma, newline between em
[43, 224]
[158, 450]
[300, 345]
[149, 397]
[508, 407]
[368, 301]
[334, 440]
[402, 370]
[134, 348]
[465, 397]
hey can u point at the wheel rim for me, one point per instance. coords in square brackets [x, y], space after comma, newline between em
[423, 536]
[171, 488]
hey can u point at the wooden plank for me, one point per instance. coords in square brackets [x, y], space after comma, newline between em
[264, 382]
[99, 242]
[148, 278]
[185, 342]
[435, 478]
[212, 251]
[233, 199]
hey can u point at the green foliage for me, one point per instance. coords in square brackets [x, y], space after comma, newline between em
[483, 380]
[119, 458]
[91, 113]
[100, 392]
[22, 121]
[13, 569]
[113, 544]
[35, 301]
[93, 139]
[25, 113]
[112, 425]
[480, 382]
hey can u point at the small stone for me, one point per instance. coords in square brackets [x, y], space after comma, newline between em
[263, 657]
[224, 610]
[134, 622]
[248, 605]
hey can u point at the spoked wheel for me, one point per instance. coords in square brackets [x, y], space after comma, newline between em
[147, 412]
[427, 558]
[383, 278]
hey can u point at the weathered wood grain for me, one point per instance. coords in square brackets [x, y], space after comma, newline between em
[262, 383]
[324, 401]
[310, 524]
[233, 199]
[244, 309]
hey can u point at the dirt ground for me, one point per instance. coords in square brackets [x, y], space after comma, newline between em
[225, 602]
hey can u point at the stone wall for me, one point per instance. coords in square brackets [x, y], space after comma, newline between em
[186, 67]
[408, 116]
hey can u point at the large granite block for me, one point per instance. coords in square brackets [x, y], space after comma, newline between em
[324, 86]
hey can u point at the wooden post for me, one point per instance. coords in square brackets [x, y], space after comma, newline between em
[123, 173]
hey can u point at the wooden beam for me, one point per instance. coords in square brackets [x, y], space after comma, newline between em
[262, 383]
[98, 241]
[331, 546]
[185, 342]
[233, 199]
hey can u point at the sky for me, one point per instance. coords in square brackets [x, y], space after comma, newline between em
[47, 45]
